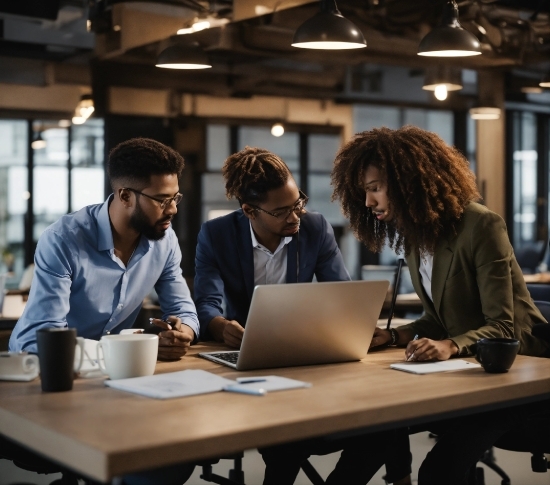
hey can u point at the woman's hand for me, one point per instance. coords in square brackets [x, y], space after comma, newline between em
[427, 349]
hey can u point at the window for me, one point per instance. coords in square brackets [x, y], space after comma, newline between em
[66, 173]
[524, 167]
[13, 196]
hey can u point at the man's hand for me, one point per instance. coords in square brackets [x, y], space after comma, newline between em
[380, 337]
[428, 349]
[173, 343]
[228, 331]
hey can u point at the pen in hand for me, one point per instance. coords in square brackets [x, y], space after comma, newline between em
[412, 355]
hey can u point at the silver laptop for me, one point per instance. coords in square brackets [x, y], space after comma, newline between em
[307, 323]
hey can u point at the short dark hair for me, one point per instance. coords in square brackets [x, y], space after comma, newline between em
[251, 173]
[132, 162]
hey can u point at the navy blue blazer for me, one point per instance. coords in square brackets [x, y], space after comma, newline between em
[224, 263]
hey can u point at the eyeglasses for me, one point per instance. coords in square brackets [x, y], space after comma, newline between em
[283, 214]
[162, 202]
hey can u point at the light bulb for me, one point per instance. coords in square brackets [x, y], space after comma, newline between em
[38, 144]
[277, 129]
[440, 92]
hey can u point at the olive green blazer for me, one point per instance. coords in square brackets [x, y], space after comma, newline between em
[477, 287]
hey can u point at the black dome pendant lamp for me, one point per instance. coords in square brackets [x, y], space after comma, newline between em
[328, 30]
[183, 56]
[449, 39]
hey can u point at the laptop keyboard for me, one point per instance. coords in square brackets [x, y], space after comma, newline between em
[230, 357]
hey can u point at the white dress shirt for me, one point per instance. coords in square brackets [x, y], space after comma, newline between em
[269, 268]
[425, 269]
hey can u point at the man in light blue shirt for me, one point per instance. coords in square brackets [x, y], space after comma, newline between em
[93, 268]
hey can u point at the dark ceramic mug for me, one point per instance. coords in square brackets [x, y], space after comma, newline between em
[56, 351]
[497, 354]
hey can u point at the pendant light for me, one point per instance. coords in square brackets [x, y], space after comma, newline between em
[449, 39]
[38, 143]
[183, 56]
[84, 109]
[328, 30]
[545, 83]
[485, 113]
[441, 80]
[278, 129]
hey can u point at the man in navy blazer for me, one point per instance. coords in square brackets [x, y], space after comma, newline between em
[224, 263]
[272, 240]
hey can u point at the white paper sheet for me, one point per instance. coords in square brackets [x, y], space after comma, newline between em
[172, 384]
[431, 367]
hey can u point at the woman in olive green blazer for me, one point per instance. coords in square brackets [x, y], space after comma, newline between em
[477, 287]
[408, 188]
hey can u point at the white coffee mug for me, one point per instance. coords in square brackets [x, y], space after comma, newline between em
[126, 356]
[18, 366]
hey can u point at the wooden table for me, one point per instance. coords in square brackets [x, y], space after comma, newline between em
[101, 432]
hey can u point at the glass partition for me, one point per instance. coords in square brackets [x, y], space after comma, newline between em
[50, 193]
[87, 172]
[524, 160]
[14, 194]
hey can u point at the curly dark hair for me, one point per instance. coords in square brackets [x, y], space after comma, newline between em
[132, 162]
[429, 184]
[251, 173]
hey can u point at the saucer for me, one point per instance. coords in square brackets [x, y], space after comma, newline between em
[19, 377]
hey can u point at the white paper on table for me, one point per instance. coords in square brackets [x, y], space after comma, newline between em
[172, 384]
[431, 367]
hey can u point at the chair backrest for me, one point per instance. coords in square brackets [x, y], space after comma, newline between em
[542, 330]
[544, 307]
[530, 255]
[539, 291]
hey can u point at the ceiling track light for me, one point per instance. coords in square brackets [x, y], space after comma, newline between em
[545, 83]
[202, 23]
[328, 30]
[84, 109]
[183, 56]
[449, 39]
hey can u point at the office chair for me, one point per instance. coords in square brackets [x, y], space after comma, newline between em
[539, 291]
[30, 461]
[533, 438]
[236, 474]
[530, 255]
[544, 307]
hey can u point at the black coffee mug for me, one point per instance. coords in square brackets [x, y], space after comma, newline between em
[56, 349]
[497, 354]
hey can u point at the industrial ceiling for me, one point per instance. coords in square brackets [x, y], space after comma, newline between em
[116, 43]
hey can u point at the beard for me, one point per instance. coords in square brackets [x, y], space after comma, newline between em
[139, 222]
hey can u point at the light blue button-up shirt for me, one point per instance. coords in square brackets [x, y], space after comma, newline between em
[80, 283]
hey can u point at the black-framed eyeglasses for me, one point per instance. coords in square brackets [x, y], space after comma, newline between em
[283, 214]
[162, 202]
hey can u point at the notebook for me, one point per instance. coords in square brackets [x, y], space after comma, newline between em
[307, 323]
[431, 367]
